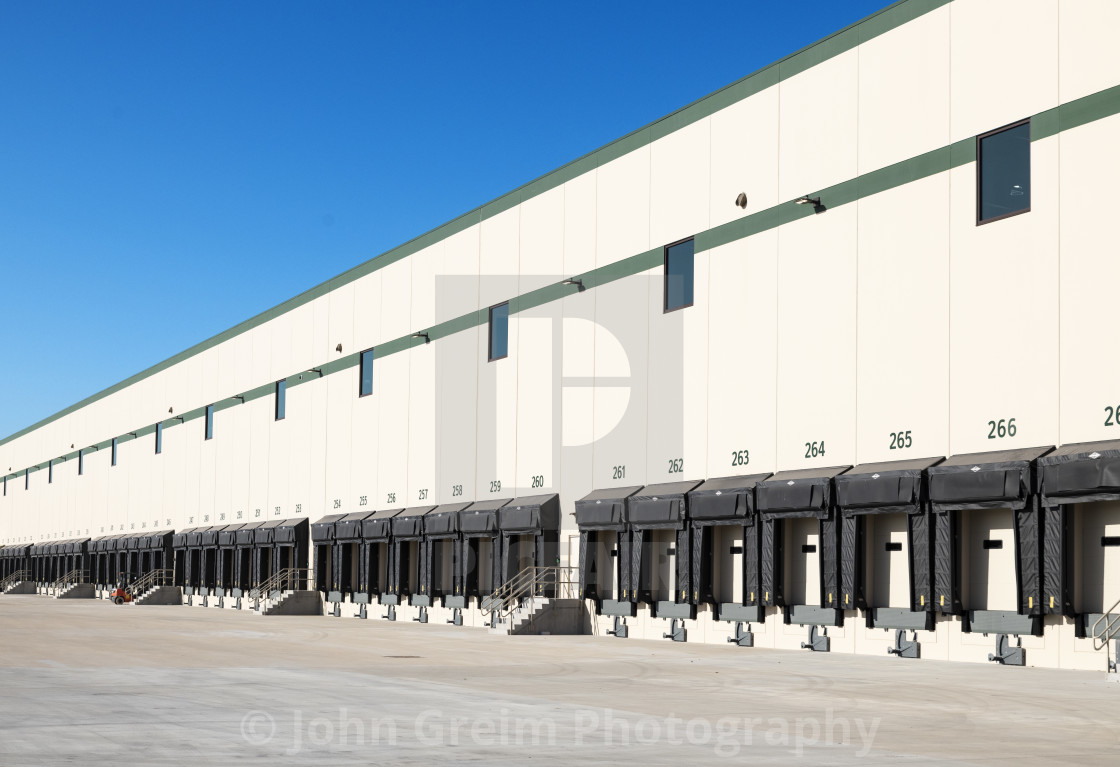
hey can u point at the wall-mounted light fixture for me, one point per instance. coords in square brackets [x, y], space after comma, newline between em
[574, 281]
[807, 200]
[741, 200]
[424, 335]
[240, 397]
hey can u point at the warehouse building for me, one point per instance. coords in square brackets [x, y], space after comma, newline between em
[820, 361]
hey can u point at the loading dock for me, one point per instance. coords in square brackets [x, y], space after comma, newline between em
[443, 554]
[347, 558]
[204, 543]
[1079, 493]
[279, 544]
[660, 548]
[409, 563]
[13, 559]
[377, 535]
[604, 551]
[886, 547]
[530, 529]
[227, 561]
[155, 551]
[246, 558]
[801, 546]
[987, 542]
[726, 548]
[182, 561]
[322, 538]
[478, 523]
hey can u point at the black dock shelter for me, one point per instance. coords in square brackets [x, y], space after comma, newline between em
[100, 571]
[322, 538]
[782, 500]
[203, 543]
[1084, 473]
[530, 528]
[443, 554]
[864, 495]
[1000, 480]
[604, 534]
[155, 551]
[183, 569]
[719, 509]
[245, 560]
[377, 555]
[13, 558]
[654, 512]
[227, 560]
[279, 544]
[482, 547]
[408, 563]
[75, 556]
[348, 558]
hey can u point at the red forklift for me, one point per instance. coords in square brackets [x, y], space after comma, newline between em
[121, 595]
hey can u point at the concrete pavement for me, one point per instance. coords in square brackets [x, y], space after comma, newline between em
[90, 682]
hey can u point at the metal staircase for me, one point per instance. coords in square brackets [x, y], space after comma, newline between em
[525, 597]
[1104, 632]
[14, 579]
[278, 587]
[68, 581]
[153, 579]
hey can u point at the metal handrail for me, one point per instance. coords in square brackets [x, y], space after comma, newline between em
[531, 583]
[287, 579]
[71, 578]
[1111, 630]
[17, 577]
[150, 580]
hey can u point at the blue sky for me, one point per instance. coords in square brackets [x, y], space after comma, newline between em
[170, 169]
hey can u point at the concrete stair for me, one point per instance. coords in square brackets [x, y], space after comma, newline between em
[546, 616]
[293, 603]
[160, 595]
[23, 587]
[77, 591]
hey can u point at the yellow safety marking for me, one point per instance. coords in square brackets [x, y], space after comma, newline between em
[1030, 602]
[1051, 601]
[942, 600]
[830, 597]
[922, 600]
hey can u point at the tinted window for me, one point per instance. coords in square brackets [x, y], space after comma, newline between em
[209, 422]
[81, 462]
[26, 479]
[499, 331]
[50, 472]
[113, 455]
[281, 399]
[159, 438]
[1004, 165]
[678, 275]
[365, 382]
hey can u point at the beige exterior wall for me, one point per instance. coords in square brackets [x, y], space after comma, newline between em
[893, 313]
